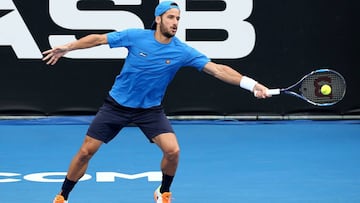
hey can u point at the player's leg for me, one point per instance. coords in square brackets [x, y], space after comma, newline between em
[171, 151]
[80, 162]
[157, 128]
[78, 166]
[106, 125]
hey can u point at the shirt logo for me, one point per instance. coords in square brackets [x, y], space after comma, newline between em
[143, 54]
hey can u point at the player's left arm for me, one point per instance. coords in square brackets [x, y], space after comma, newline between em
[92, 40]
[229, 75]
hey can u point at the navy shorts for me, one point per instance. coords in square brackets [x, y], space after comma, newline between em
[112, 117]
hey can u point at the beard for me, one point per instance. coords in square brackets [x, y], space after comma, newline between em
[165, 32]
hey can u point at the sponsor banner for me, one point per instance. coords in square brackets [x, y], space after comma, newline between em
[273, 42]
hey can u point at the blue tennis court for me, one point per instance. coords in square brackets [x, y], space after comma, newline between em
[221, 161]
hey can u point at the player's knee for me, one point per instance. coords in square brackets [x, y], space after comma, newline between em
[85, 154]
[173, 154]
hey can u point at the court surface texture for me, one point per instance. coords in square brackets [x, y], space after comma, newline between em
[297, 161]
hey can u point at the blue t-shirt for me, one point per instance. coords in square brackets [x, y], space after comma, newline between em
[149, 66]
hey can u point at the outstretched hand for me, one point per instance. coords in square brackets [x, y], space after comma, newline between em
[53, 55]
[261, 92]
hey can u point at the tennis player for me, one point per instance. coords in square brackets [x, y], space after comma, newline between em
[154, 57]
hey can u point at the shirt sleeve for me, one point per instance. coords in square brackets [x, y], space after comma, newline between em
[118, 39]
[196, 59]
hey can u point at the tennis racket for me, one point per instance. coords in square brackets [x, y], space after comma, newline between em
[308, 88]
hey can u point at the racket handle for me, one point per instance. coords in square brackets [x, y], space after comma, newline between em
[269, 92]
[273, 91]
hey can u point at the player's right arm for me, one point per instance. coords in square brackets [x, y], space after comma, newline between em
[54, 54]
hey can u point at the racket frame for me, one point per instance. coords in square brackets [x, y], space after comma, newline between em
[293, 93]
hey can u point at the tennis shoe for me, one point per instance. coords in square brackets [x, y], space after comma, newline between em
[162, 197]
[59, 199]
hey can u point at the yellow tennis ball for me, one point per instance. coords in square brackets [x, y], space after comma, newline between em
[325, 89]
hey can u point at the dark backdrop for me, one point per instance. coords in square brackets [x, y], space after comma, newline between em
[292, 39]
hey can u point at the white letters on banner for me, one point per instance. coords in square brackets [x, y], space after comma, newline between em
[240, 41]
[14, 33]
[51, 177]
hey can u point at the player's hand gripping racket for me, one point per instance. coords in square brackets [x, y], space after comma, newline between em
[323, 87]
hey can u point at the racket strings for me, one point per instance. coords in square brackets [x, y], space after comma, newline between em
[311, 87]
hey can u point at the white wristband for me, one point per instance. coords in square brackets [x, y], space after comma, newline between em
[248, 83]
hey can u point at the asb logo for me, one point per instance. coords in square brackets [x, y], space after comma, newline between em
[14, 33]
[238, 43]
